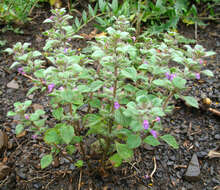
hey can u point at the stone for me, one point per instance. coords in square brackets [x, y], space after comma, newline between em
[13, 84]
[4, 171]
[193, 170]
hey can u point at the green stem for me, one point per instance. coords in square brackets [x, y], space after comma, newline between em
[168, 98]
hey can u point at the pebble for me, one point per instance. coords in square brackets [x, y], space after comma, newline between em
[217, 136]
[13, 84]
[193, 170]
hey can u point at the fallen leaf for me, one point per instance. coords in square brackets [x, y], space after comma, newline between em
[37, 107]
[4, 171]
[21, 134]
[3, 140]
[213, 154]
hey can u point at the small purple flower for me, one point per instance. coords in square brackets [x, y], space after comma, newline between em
[69, 39]
[75, 88]
[154, 133]
[157, 119]
[34, 137]
[146, 124]
[197, 76]
[21, 70]
[111, 88]
[145, 62]
[61, 88]
[65, 50]
[170, 76]
[51, 17]
[116, 105]
[200, 61]
[50, 87]
[26, 116]
[146, 176]
[133, 38]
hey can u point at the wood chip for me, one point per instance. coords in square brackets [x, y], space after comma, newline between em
[213, 154]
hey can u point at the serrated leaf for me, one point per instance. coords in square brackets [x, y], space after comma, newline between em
[94, 86]
[179, 82]
[51, 136]
[208, 73]
[19, 129]
[151, 141]
[116, 160]
[66, 133]
[130, 73]
[191, 101]
[133, 141]
[58, 113]
[169, 139]
[46, 160]
[123, 151]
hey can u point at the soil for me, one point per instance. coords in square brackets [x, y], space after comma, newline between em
[197, 131]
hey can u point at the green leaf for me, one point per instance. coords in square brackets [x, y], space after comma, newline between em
[58, 113]
[70, 149]
[133, 141]
[31, 90]
[96, 85]
[136, 125]
[116, 160]
[151, 141]
[207, 73]
[72, 96]
[79, 163]
[124, 151]
[130, 73]
[19, 129]
[51, 136]
[161, 82]
[84, 16]
[66, 133]
[115, 5]
[157, 111]
[91, 11]
[120, 118]
[169, 139]
[179, 82]
[95, 103]
[191, 101]
[11, 113]
[46, 160]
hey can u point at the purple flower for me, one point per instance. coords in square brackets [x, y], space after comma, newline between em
[197, 76]
[34, 137]
[133, 38]
[116, 105]
[21, 70]
[65, 50]
[51, 17]
[50, 87]
[157, 119]
[200, 61]
[146, 124]
[170, 76]
[61, 88]
[154, 133]
[26, 116]
[111, 88]
[145, 62]
[147, 176]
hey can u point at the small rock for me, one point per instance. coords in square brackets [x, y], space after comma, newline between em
[217, 136]
[148, 147]
[13, 84]
[193, 170]
[21, 174]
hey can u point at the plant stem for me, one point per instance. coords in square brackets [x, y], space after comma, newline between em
[168, 98]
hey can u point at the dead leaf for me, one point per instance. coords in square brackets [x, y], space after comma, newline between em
[213, 154]
[4, 171]
[21, 134]
[37, 107]
[3, 140]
